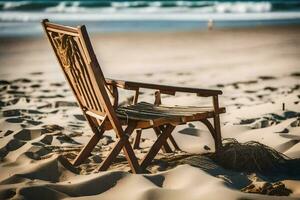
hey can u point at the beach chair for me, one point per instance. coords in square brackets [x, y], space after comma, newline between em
[98, 99]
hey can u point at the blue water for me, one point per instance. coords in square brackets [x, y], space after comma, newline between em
[38, 5]
[22, 17]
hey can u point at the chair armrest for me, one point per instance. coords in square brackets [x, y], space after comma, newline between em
[165, 89]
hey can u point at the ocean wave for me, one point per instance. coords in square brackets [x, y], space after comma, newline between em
[160, 7]
[131, 4]
[36, 16]
[244, 7]
[221, 6]
[25, 5]
[144, 10]
[13, 5]
[68, 7]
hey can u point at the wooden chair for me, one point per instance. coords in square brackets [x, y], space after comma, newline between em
[98, 99]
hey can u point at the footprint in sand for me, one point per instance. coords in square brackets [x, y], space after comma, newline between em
[57, 84]
[36, 73]
[4, 82]
[14, 87]
[8, 132]
[267, 77]
[35, 86]
[271, 89]
[66, 139]
[37, 152]
[50, 96]
[8, 193]
[295, 123]
[12, 145]
[15, 92]
[65, 104]
[250, 91]
[190, 130]
[47, 140]
[22, 80]
[27, 134]
[287, 145]
[183, 73]
[14, 120]
[149, 74]
[19, 112]
[247, 121]
[295, 74]
[50, 128]
[80, 117]
[285, 130]
[261, 123]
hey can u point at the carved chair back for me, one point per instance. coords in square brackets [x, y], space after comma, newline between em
[77, 59]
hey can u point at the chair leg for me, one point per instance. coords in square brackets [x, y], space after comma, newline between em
[157, 145]
[215, 132]
[218, 139]
[137, 139]
[171, 138]
[87, 149]
[111, 156]
[165, 147]
[210, 128]
[131, 158]
[124, 144]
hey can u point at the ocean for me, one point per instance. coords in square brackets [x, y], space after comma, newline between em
[21, 18]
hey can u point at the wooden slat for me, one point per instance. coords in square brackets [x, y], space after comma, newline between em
[87, 74]
[218, 137]
[99, 80]
[156, 146]
[86, 78]
[165, 147]
[58, 27]
[148, 106]
[62, 31]
[136, 96]
[82, 87]
[163, 88]
[145, 111]
[137, 139]
[95, 115]
[88, 148]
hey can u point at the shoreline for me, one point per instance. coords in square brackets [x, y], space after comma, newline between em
[33, 29]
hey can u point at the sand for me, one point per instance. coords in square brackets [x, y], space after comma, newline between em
[41, 125]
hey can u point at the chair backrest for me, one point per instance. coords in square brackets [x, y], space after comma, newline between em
[74, 53]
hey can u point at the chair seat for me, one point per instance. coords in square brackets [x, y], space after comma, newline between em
[154, 114]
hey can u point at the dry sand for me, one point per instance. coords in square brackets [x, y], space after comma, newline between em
[258, 70]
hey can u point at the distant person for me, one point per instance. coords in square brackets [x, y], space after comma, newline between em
[210, 24]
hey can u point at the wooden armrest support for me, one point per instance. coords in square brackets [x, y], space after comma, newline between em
[164, 89]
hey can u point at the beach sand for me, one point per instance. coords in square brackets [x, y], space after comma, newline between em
[257, 69]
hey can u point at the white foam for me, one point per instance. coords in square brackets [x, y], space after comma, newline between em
[120, 4]
[66, 7]
[11, 4]
[184, 3]
[155, 4]
[125, 16]
[243, 7]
